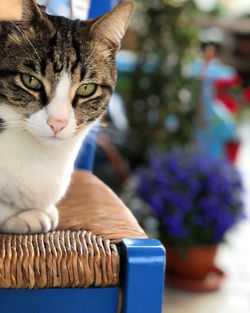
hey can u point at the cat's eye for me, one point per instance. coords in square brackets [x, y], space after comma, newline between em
[31, 82]
[86, 90]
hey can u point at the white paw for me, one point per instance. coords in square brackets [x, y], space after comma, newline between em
[52, 213]
[31, 221]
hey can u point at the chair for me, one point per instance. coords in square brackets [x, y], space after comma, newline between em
[98, 260]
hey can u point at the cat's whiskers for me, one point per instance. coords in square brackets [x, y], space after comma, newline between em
[13, 126]
[37, 127]
[16, 121]
[11, 117]
[90, 57]
[13, 121]
[27, 39]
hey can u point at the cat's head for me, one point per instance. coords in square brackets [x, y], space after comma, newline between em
[57, 75]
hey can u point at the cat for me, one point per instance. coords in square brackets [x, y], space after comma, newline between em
[56, 79]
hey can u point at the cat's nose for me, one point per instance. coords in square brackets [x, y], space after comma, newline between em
[57, 125]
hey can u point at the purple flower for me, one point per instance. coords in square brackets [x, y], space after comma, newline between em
[196, 199]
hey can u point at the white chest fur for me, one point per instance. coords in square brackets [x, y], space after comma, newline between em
[36, 162]
[34, 176]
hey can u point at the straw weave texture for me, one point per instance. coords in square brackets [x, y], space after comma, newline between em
[82, 252]
[57, 259]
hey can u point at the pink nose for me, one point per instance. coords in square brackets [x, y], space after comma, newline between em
[57, 125]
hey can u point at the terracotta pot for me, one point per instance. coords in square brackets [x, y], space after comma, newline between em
[194, 263]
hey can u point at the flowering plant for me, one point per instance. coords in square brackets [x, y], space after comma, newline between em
[195, 198]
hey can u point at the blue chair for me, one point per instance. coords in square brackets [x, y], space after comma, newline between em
[98, 261]
[140, 290]
[23, 259]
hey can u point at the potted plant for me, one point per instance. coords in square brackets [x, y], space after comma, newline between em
[196, 200]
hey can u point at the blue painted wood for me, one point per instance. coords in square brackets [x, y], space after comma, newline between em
[86, 155]
[98, 7]
[142, 275]
[99, 300]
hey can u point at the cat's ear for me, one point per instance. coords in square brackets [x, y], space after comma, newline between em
[31, 12]
[33, 19]
[111, 27]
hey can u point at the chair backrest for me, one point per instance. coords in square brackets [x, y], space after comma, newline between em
[86, 156]
[98, 7]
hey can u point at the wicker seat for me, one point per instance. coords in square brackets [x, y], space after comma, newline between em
[98, 244]
[83, 252]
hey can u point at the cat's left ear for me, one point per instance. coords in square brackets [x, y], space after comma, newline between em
[31, 12]
[111, 27]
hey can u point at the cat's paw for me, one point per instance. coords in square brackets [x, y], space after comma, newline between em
[31, 221]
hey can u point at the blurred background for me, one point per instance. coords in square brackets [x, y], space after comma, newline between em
[175, 143]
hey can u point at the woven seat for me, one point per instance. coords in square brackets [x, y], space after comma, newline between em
[82, 252]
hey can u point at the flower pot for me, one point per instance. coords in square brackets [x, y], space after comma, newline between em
[195, 263]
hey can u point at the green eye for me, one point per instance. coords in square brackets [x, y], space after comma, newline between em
[31, 82]
[86, 90]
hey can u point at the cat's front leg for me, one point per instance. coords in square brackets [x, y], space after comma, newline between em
[31, 221]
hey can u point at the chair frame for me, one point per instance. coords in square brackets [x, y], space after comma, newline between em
[142, 283]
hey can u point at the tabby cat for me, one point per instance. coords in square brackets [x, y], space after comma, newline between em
[56, 79]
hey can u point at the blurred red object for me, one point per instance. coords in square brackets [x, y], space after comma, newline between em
[247, 94]
[229, 102]
[232, 149]
[223, 94]
[229, 82]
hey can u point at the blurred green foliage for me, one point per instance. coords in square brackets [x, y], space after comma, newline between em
[160, 97]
